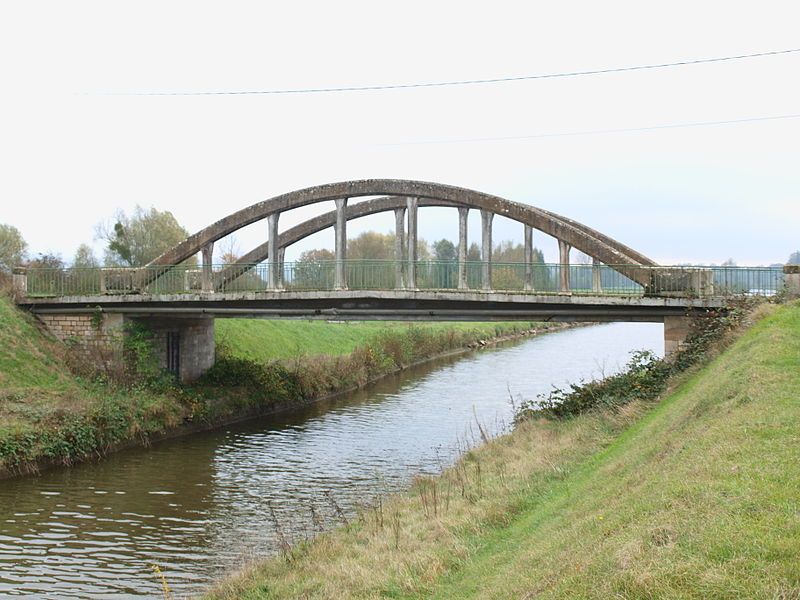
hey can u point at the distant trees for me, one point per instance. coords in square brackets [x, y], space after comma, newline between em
[135, 240]
[13, 248]
[794, 258]
[84, 258]
[445, 250]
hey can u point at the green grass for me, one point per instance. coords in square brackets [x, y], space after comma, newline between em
[50, 415]
[265, 340]
[697, 496]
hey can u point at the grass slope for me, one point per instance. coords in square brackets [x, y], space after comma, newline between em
[265, 340]
[698, 497]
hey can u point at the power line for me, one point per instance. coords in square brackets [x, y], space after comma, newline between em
[401, 86]
[597, 131]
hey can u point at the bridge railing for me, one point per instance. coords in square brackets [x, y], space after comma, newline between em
[538, 278]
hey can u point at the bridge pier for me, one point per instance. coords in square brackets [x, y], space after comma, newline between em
[185, 345]
[340, 241]
[411, 271]
[676, 330]
[563, 261]
[486, 248]
[791, 281]
[463, 215]
[528, 286]
[399, 241]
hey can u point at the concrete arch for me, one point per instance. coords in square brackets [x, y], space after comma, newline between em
[577, 235]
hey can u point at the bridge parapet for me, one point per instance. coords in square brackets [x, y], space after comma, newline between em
[526, 277]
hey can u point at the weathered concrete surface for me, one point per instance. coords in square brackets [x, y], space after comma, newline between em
[676, 330]
[195, 338]
[585, 239]
[97, 337]
[791, 281]
[390, 304]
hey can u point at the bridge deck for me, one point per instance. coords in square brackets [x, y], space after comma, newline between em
[385, 305]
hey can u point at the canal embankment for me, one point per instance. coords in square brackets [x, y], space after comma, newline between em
[54, 412]
[672, 481]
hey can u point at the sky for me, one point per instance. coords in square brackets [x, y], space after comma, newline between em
[82, 136]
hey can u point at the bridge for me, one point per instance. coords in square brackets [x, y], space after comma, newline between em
[179, 302]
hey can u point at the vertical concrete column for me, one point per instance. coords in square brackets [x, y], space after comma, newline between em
[340, 280]
[486, 248]
[411, 271]
[399, 243]
[207, 283]
[528, 258]
[463, 215]
[676, 330]
[563, 261]
[597, 286]
[791, 281]
[275, 272]
[19, 282]
[103, 284]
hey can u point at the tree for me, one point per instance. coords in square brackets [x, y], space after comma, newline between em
[794, 258]
[473, 252]
[314, 269]
[85, 258]
[13, 248]
[729, 263]
[371, 245]
[46, 260]
[445, 250]
[135, 240]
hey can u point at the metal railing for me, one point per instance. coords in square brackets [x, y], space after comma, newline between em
[618, 280]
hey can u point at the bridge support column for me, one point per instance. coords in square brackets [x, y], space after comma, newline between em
[486, 248]
[275, 273]
[563, 261]
[206, 283]
[19, 282]
[528, 258]
[676, 330]
[340, 280]
[463, 216]
[791, 281]
[399, 242]
[597, 285]
[411, 272]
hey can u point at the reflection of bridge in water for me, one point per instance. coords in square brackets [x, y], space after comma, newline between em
[179, 302]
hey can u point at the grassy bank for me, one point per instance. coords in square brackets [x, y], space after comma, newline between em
[695, 496]
[49, 416]
[265, 340]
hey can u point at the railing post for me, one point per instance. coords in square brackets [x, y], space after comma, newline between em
[275, 271]
[411, 271]
[486, 248]
[207, 251]
[340, 280]
[596, 280]
[791, 281]
[463, 215]
[528, 258]
[19, 282]
[399, 242]
[103, 284]
[563, 261]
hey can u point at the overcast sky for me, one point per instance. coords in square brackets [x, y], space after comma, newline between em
[75, 145]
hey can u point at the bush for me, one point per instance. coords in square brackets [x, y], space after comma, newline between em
[645, 377]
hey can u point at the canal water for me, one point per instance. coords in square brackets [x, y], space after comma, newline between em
[202, 505]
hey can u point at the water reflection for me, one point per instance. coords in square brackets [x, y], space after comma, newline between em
[197, 505]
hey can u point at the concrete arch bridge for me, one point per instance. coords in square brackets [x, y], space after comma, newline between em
[180, 303]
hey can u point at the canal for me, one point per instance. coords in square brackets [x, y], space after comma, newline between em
[202, 505]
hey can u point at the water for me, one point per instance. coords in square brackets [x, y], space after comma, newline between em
[200, 505]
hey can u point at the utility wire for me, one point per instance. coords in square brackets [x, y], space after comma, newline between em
[596, 131]
[401, 86]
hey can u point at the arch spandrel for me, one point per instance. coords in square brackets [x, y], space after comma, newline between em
[581, 237]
